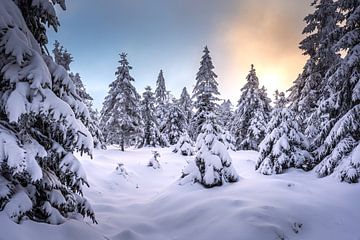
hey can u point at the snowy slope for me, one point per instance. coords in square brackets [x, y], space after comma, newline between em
[149, 204]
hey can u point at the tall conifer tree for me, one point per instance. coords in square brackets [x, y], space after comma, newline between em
[120, 115]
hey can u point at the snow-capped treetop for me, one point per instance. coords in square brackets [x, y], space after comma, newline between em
[266, 101]
[62, 56]
[226, 114]
[280, 100]
[252, 80]
[186, 105]
[185, 98]
[205, 78]
[161, 94]
[123, 71]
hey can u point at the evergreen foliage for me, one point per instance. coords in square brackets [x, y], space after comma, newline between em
[205, 92]
[339, 139]
[185, 145]
[212, 165]
[151, 135]
[41, 121]
[120, 116]
[251, 115]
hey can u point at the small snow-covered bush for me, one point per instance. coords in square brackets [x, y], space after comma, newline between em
[121, 170]
[154, 162]
[212, 165]
[184, 146]
[284, 145]
[228, 140]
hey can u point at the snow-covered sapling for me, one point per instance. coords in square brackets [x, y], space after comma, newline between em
[121, 170]
[154, 161]
[284, 145]
[212, 165]
[185, 145]
[228, 140]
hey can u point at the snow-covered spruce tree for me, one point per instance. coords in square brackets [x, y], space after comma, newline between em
[308, 89]
[174, 123]
[64, 58]
[226, 114]
[120, 115]
[186, 105]
[151, 135]
[339, 140]
[41, 121]
[284, 145]
[212, 165]
[205, 93]
[93, 125]
[226, 117]
[251, 115]
[162, 109]
[185, 146]
[161, 95]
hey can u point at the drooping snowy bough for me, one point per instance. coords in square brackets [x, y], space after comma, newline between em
[339, 140]
[41, 122]
[184, 146]
[284, 145]
[212, 165]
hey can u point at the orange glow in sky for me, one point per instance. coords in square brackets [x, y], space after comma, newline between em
[268, 39]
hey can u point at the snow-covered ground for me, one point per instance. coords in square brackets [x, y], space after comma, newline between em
[149, 204]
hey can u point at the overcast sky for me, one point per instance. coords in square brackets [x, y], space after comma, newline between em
[171, 34]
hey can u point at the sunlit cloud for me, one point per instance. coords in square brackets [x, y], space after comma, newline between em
[266, 37]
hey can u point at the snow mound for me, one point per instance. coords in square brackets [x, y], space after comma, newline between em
[151, 205]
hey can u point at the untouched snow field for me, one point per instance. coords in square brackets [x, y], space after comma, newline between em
[149, 204]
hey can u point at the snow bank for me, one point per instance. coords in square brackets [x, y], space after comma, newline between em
[151, 205]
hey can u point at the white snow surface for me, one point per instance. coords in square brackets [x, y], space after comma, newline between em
[151, 205]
